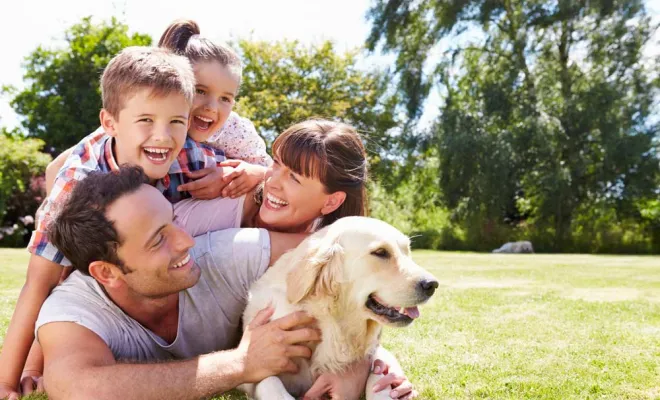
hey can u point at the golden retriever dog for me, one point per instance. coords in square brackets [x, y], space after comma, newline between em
[354, 277]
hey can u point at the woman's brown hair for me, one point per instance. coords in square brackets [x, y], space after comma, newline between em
[331, 152]
[183, 37]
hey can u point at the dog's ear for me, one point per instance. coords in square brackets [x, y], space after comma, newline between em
[318, 272]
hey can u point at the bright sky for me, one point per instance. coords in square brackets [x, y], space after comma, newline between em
[29, 23]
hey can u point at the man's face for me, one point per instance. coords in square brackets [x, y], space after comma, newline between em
[155, 251]
[150, 131]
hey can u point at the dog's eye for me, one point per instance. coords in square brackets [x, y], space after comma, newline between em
[381, 253]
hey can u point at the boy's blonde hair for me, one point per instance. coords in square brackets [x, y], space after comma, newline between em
[139, 67]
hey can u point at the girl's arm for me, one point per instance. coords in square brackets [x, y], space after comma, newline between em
[42, 276]
[239, 139]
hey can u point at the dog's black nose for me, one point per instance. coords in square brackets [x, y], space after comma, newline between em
[427, 286]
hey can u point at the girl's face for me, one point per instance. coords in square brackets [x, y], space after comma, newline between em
[293, 202]
[215, 92]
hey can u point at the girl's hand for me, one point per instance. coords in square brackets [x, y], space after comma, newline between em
[242, 179]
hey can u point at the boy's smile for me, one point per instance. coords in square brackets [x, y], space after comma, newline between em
[150, 131]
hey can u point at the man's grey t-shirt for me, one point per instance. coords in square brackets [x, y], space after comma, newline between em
[209, 312]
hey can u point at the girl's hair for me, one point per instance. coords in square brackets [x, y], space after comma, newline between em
[331, 152]
[183, 37]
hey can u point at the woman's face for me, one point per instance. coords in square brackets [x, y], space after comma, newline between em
[291, 201]
[215, 91]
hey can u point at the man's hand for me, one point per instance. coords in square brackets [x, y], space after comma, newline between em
[268, 347]
[32, 382]
[242, 179]
[208, 182]
[7, 392]
[402, 388]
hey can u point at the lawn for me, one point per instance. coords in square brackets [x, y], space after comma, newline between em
[514, 326]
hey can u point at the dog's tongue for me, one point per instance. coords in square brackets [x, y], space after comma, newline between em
[412, 312]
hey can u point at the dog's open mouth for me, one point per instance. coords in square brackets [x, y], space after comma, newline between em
[399, 315]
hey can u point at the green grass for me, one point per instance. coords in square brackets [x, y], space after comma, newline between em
[514, 327]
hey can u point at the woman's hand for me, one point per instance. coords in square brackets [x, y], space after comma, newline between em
[347, 385]
[350, 384]
[402, 388]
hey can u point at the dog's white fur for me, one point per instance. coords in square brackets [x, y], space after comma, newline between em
[330, 276]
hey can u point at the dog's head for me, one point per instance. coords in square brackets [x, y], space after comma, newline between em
[362, 265]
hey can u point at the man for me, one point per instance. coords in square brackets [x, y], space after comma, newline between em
[144, 290]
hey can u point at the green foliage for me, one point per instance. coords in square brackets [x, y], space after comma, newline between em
[413, 207]
[61, 101]
[21, 162]
[286, 82]
[547, 116]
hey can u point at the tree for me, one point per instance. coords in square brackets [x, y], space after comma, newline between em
[285, 82]
[548, 115]
[21, 164]
[61, 101]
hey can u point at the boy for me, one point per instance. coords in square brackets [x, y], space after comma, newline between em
[147, 94]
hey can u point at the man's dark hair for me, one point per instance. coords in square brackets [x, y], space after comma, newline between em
[81, 231]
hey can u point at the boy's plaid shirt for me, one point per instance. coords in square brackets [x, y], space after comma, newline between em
[94, 153]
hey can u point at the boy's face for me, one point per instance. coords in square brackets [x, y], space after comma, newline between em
[215, 91]
[150, 131]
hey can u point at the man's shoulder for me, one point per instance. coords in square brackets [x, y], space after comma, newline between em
[80, 300]
[78, 292]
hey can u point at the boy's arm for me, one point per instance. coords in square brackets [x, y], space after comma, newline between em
[42, 277]
[54, 167]
[43, 274]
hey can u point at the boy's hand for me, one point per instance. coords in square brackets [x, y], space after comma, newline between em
[242, 179]
[8, 392]
[32, 382]
[208, 182]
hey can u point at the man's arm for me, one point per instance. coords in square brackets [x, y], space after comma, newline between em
[74, 351]
[266, 349]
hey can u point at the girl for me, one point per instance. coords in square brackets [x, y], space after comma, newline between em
[218, 74]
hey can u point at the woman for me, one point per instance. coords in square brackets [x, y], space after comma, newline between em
[318, 175]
